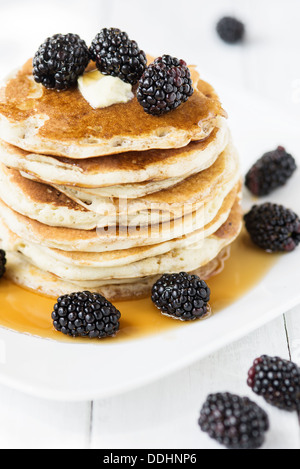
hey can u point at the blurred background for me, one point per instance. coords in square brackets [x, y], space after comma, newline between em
[266, 63]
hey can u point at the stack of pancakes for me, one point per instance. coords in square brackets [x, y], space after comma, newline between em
[109, 199]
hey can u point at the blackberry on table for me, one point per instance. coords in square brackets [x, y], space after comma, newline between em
[2, 262]
[273, 227]
[271, 171]
[60, 60]
[164, 85]
[85, 314]
[277, 381]
[117, 55]
[235, 422]
[230, 30]
[182, 296]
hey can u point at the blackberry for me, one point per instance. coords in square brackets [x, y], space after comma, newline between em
[165, 84]
[230, 30]
[271, 171]
[117, 55]
[85, 314]
[277, 381]
[182, 296]
[2, 262]
[235, 422]
[273, 227]
[60, 60]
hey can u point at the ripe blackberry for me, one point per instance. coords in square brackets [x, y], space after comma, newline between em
[235, 422]
[271, 171]
[182, 296]
[117, 55]
[230, 30]
[165, 84]
[277, 381]
[2, 262]
[85, 314]
[273, 227]
[60, 60]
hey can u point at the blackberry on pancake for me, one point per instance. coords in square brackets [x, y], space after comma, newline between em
[60, 60]
[165, 85]
[117, 55]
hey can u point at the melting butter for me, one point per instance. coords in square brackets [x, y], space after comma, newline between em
[101, 91]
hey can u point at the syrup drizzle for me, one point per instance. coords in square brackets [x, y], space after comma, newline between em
[30, 313]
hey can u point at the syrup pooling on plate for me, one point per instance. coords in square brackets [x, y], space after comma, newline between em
[29, 313]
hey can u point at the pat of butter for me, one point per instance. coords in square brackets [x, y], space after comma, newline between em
[103, 90]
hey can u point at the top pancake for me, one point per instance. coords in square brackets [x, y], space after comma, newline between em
[146, 168]
[64, 124]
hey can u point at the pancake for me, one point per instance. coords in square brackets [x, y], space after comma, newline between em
[110, 199]
[178, 259]
[21, 272]
[126, 256]
[147, 168]
[64, 124]
[115, 239]
[69, 208]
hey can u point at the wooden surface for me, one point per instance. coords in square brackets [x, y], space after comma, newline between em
[164, 414]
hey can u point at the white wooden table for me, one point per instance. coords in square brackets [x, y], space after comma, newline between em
[163, 415]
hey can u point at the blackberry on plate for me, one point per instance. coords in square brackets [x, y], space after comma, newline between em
[165, 85]
[117, 55]
[2, 262]
[271, 171]
[277, 381]
[230, 30]
[273, 227]
[182, 296]
[85, 314]
[235, 422]
[60, 60]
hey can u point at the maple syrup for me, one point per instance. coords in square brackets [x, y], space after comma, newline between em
[30, 313]
[83, 122]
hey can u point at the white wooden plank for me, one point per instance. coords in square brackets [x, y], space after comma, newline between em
[293, 333]
[164, 414]
[31, 423]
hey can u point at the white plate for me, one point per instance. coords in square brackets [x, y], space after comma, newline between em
[71, 372]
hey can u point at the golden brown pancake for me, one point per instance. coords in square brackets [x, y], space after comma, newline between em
[23, 273]
[113, 241]
[64, 124]
[76, 210]
[143, 167]
[33, 275]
